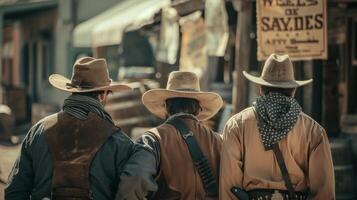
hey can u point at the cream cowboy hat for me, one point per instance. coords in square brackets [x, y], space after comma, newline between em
[277, 72]
[182, 85]
[89, 74]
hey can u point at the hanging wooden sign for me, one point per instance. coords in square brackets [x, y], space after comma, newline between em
[294, 27]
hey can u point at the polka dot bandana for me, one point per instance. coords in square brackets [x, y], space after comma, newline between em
[278, 115]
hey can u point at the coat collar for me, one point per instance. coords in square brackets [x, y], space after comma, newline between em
[183, 116]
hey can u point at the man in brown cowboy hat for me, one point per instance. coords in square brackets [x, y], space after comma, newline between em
[273, 150]
[77, 153]
[187, 153]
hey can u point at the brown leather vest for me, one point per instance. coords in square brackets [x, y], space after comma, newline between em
[178, 178]
[73, 143]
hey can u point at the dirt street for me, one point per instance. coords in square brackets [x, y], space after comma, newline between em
[8, 155]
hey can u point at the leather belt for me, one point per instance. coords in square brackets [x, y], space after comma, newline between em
[267, 194]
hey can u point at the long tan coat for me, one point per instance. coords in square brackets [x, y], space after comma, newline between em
[245, 163]
[177, 171]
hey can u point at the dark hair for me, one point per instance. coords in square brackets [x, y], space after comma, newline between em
[93, 94]
[184, 105]
[285, 91]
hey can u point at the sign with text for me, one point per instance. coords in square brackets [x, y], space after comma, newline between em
[293, 27]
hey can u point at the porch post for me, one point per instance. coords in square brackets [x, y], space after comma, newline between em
[1, 54]
[242, 57]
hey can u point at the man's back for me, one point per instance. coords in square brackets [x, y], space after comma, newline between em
[246, 164]
[82, 148]
[177, 170]
[36, 166]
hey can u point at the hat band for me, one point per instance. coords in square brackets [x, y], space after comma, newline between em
[188, 90]
[278, 81]
[71, 85]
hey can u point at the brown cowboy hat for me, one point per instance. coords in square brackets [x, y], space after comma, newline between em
[277, 72]
[182, 85]
[89, 74]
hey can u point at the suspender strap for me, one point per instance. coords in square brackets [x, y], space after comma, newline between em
[281, 163]
[284, 171]
[200, 161]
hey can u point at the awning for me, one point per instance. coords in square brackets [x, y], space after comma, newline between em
[108, 27]
[9, 6]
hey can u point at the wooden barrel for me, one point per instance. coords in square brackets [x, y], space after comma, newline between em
[128, 111]
[344, 168]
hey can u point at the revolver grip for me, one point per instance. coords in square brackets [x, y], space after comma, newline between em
[239, 193]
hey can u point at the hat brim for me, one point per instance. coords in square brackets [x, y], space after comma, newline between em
[277, 84]
[60, 82]
[154, 101]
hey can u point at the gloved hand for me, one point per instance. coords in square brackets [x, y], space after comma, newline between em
[137, 178]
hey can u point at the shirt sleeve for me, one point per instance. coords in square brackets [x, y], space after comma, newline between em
[231, 169]
[22, 174]
[321, 174]
[151, 144]
[137, 179]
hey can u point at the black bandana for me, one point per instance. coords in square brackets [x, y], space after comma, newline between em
[278, 115]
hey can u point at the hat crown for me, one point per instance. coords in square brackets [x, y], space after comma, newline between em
[183, 81]
[90, 72]
[278, 68]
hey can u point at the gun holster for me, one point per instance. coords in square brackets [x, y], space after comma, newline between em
[239, 193]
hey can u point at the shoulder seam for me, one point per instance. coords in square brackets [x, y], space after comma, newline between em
[311, 119]
[49, 121]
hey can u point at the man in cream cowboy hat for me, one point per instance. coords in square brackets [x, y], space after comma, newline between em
[273, 150]
[77, 153]
[187, 153]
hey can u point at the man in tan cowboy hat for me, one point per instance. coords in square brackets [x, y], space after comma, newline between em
[77, 153]
[273, 150]
[187, 153]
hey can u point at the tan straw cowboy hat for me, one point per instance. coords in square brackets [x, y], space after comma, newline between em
[277, 72]
[182, 85]
[89, 74]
